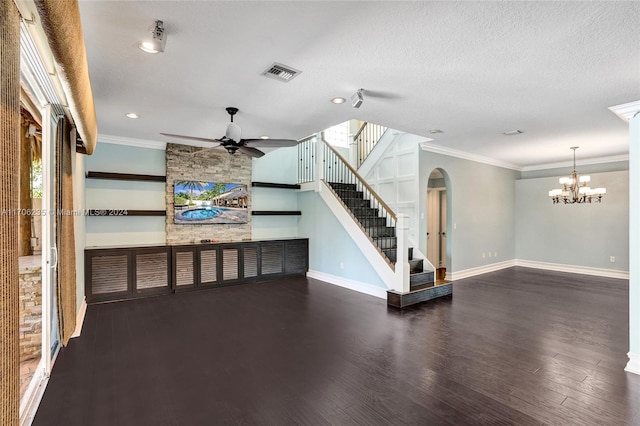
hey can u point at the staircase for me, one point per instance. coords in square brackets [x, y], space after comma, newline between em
[383, 236]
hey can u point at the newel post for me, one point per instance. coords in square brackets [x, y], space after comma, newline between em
[402, 254]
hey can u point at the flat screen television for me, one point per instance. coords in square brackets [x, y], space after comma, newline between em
[204, 203]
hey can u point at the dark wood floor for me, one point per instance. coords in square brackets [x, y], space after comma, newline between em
[517, 346]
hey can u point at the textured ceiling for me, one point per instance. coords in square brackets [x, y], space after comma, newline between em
[472, 69]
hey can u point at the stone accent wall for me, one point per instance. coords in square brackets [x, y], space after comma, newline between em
[30, 297]
[214, 165]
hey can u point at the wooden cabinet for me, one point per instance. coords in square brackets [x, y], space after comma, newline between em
[132, 272]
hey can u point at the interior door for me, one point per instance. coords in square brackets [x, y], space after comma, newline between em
[433, 226]
[443, 230]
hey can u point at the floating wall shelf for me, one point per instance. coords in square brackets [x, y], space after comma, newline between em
[275, 185]
[275, 213]
[125, 212]
[125, 176]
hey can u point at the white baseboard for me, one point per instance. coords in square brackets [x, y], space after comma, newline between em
[633, 366]
[354, 285]
[80, 318]
[471, 272]
[573, 269]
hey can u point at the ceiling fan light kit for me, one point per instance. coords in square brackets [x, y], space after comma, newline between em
[232, 140]
[575, 189]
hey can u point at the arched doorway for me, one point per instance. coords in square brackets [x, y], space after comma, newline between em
[437, 224]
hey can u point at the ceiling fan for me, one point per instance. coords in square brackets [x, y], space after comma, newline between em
[232, 140]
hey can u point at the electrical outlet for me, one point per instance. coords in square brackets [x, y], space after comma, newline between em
[612, 259]
[483, 255]
[495, 254]
[454, 226]
[489, 255]
[341, 265]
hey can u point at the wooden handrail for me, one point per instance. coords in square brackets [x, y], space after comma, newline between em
[357, 176]
[364, 124]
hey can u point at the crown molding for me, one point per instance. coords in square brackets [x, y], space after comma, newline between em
[468, 156]
[626, 111]
[585, 162]
[140, 143]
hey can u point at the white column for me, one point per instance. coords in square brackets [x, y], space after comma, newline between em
[402, 254]
[634, 245]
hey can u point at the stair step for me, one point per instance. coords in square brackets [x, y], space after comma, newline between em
[390, 254]
[380, 231]
[416, 265]
[421, 278]
[364, 212]
[349, 193]
[343, 186]
[369, 222]
[356, 202]
[385, 242]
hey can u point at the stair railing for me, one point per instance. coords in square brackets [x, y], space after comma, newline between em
[307, 159]
[366, 139]
[338, 170]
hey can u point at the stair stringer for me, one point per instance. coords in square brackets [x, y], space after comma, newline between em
[366, 246]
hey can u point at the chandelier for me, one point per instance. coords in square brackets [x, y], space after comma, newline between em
[575, 188]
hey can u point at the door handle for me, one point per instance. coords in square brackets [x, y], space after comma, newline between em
[54, 255]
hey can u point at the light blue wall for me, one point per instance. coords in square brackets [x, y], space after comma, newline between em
[481, 207]
[329, 243]
[278, 166]
[634, 236]
[577, 234]
[126, 159]
[114, 194]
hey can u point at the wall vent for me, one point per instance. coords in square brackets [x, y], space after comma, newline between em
[280, 72]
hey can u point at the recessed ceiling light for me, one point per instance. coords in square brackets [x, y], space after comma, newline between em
[338, 100]
[434, 131]
[512, 132]
[132, 115]
[264, 137]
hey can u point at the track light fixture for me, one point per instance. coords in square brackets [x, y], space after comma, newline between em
[158, 39]
[357, 98]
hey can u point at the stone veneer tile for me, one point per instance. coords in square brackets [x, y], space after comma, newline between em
[215, 165]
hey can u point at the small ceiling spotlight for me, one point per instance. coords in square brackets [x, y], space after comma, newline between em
[357, 98]
[434, 131]
[132, 115]
[338, 100]
[158, 39]
[264, 137]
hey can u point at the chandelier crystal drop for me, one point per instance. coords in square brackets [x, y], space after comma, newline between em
[575, 188]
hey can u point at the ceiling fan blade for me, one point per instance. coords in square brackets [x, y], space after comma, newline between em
[192, 138]
[270, 143]
[255, 153]
[234, 132]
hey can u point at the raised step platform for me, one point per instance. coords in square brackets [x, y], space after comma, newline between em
[402, 300]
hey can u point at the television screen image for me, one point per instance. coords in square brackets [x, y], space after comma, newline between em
[202, 203]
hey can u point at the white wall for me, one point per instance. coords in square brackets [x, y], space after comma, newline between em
[392, 171]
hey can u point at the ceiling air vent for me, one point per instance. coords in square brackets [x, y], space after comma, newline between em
[281, 72]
